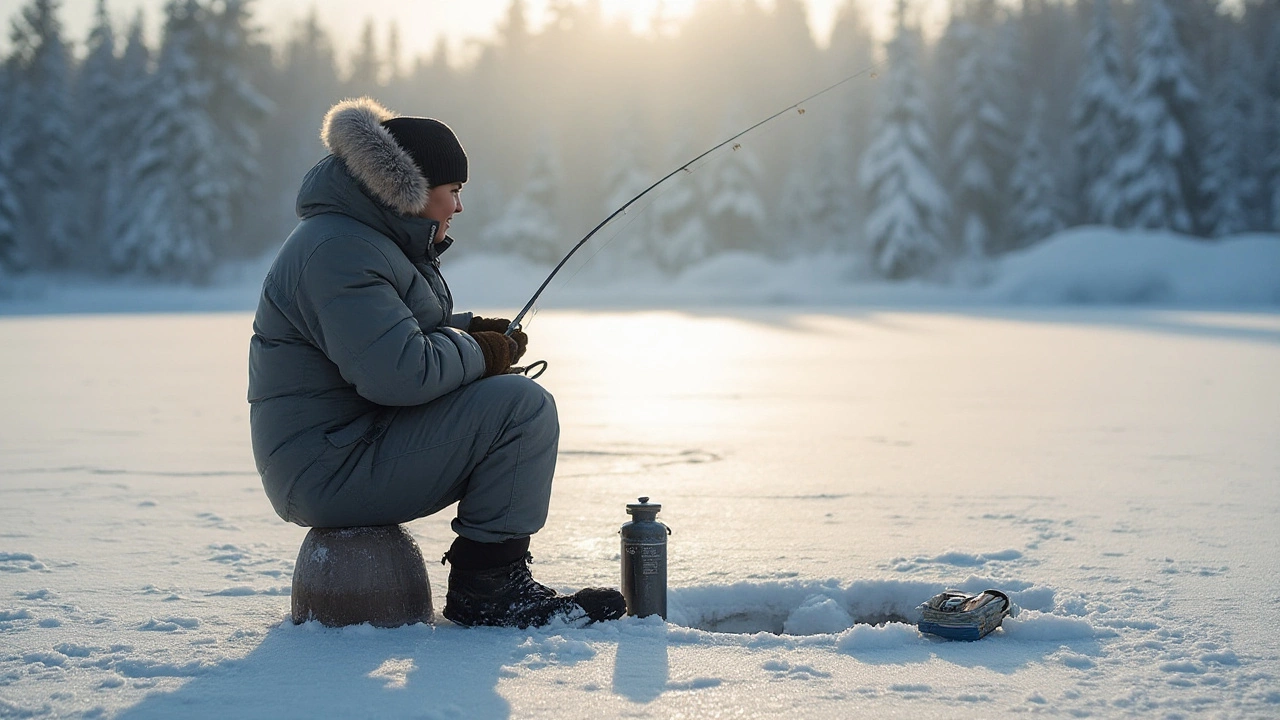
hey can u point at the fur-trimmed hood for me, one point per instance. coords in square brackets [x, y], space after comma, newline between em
[353, 132]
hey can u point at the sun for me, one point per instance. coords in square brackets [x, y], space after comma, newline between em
[640, 14]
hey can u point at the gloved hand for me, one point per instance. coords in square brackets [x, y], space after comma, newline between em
[498, 349]
[500, 325]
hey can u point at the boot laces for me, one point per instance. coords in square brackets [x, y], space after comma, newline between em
[524, 582]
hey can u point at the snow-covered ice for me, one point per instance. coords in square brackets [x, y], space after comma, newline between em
[824, 469]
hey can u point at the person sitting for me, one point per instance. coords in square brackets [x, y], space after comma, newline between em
[373, 403]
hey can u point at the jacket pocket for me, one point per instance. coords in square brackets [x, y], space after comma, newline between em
[367, 427]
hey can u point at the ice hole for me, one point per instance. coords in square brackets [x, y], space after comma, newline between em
[748, 622]
[785, 613]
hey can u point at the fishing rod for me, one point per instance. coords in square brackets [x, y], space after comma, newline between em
[515, 324]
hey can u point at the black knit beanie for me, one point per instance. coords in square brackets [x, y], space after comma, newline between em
[433, 147]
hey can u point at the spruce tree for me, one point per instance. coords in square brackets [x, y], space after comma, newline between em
[680, 234]
[903, 227]
[1263, 18]
[1099, 118]
[12, 258]
[1273, 168]
[1228, 185]
[101, 119]
[817, 212]
[1037, 210]
[394, 71]
[625, 180]
[851, 50]
[797, 225]
[41, 68]
[979, 149]
[734, 212]
[232, 59]
[181, 210]
[1157, 168]
[120, 193]
[366, 65]
[529, 225]
[305, 86]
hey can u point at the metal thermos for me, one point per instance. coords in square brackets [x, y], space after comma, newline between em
[644, 560]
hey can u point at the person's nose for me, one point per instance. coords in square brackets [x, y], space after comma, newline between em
[457, 207]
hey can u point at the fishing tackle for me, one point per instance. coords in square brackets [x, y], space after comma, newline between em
[515, 324]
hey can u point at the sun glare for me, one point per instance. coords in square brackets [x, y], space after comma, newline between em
[423, 23]
[641, 14]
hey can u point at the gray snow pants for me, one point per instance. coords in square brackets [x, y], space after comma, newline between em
[490, 446]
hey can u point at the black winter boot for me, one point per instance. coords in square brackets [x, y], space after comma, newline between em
[508, 596]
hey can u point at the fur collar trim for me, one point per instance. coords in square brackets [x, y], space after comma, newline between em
[353, 132]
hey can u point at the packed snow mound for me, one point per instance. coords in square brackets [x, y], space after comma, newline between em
[1099, 265]
[825, 607]
[1084, 265]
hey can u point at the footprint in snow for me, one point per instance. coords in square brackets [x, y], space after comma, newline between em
[781, 669]
[172, 624]
[694, 684]
[17, 562]
[954, 558]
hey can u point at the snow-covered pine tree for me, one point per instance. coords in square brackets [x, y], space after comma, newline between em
[979, 149]
[133, 83]
[12, 258]
[817, 213]
[1037, 210]
[1263, 16]
[626, 179]
[1158, 167]
[305, 86]
[796, 224]
[101, 119]
[1228, 185]
[733, 211]
[1099, 118]
[366, 65]
[394, 71]
[907, 203]
[181, 202]
[529, 225]
[1049, 56]
[11, 255]
[41, 67]
[233, 59]
[1273, 168]
[852, 49]
[680, 237]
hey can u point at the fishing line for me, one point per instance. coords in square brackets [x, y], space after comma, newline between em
[515, 324]
[609, 240]
[634, 213]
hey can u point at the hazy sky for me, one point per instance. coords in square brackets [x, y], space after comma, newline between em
[423, 21]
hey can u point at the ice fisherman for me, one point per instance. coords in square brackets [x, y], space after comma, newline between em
[373, 403]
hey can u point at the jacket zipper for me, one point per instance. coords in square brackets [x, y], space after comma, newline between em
[448, 293]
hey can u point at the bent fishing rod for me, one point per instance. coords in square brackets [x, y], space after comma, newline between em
[515, 324]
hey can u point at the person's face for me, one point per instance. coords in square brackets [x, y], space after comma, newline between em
[443, 202]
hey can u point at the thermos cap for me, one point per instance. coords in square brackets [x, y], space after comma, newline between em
[644, 508]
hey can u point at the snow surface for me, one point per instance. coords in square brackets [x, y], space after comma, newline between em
[824, 470]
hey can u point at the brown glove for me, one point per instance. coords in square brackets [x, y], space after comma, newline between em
[500, 325]
[499, 351]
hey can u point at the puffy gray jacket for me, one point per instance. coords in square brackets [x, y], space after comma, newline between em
[354, 320]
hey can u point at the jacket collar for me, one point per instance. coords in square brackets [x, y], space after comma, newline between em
[330, 187]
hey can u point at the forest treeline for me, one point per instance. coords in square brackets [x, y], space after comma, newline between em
[120, 158]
